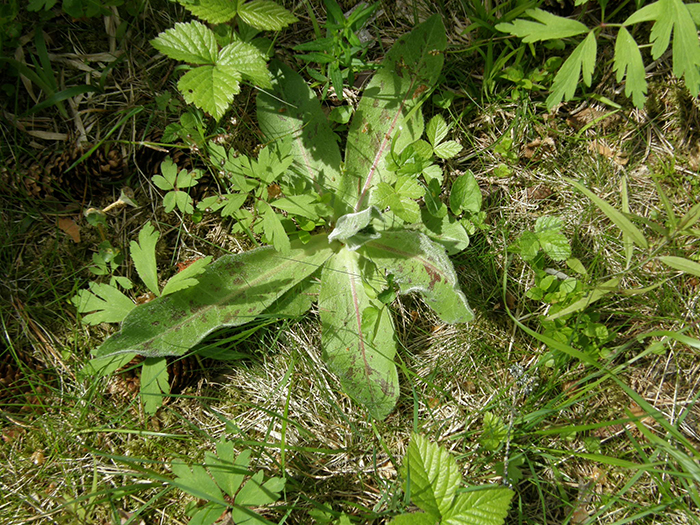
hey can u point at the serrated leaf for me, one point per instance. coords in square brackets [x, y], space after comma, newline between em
[447, 231]
[551, 240]
[107, 304]
[185, 278]
[480, 507]
[628, 65]
[416, 518]
[154, 383]
[465, 194]
[143, 253]
[405, 208]
[388, 116]
[408, 186]
[494, 432]
[191, 42]
[449, 149]
[580, 62]
[213, 11]
[196, 481]
[274, 231]
[436, 130]
[248, 61]
[613, 214]
[232, 291]
[265, 14]
[546, 27]
[432, 476]
[211, 88]
[420, 265]
[681, 264]
[366, 370]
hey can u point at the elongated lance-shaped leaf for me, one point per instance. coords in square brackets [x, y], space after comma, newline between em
[363, 360]
[292, 109]
[388, 112]
[232, 291]
[421, 265]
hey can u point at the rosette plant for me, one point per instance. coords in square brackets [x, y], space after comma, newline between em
[346, 234]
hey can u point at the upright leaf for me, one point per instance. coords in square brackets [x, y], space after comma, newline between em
[154, 383]
[388, 114]
[628, 63]
[292, 109]
[420, 265]
[232, 291]
[580, 62]
[143, 254]
[365, 367]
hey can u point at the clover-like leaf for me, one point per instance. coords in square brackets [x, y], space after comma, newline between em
[191, 42]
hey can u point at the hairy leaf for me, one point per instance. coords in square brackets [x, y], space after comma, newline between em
[191, 42]
[628, 63]
[388, 115]
[580, 62]
[420, 265]
[432, 476]
[143, 253]
[265, 14]
[366, 369]
[547, 27]
[232, 291]
[292, 110]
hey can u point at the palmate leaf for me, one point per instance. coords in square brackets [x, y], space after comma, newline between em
[232, 291]
[106, 304]
[628, 64]
[266, 15]
[547, 27]
[213, 11]
[388, 115]
[191, 42]
[580, 62]
[363, 362]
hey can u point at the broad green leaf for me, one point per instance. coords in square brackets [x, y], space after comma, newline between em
[447, 231]
[213, 11]
[465, 194]
[107, 304]
[274, 231]
[366, 370]
[613, 214]
[209, 514]
[432, 476]
[681, 264]
[448, 149]
[546, 27]
[416, 518]
[293, 110]
[436, 130]
[551, 240]
[580, 62]
[265, 14]
[248, 61]
[350, 225]
[388, 114]
[628, 63]
[185, 278]
[154, 383]
[480, 507]
[408, 186]
[420, 265]
[232, 291]
[211, 88]
[191, 42]
[591, 297]
[255, 493]
[196, 481]
[143, 253]
[228, 471]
